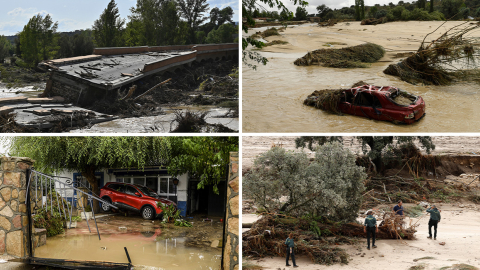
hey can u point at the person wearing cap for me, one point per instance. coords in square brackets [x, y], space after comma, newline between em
[433, 222]
[290, 249]
[370, 227]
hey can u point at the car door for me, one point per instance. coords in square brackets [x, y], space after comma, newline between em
[133, 201]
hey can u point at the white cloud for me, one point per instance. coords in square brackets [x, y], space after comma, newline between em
[28, 13]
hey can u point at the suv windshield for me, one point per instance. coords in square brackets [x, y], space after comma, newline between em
[147, 191]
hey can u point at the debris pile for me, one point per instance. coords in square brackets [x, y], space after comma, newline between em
[372, 21]
[269, 32]
[443, 60]
[330, 22]
[326, 100]
[267, 236]
[350, 57]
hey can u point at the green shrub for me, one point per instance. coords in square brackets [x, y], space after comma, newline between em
[172, 215]
[53, 223]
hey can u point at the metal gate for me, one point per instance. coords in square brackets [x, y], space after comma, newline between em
[56, 194]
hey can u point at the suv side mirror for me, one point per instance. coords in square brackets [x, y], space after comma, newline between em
[137, 194]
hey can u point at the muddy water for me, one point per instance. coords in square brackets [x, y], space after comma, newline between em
[146, 250]
[28, 91]
[273, 94]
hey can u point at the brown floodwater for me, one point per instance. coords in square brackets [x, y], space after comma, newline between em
[272, 95]
[144, 250]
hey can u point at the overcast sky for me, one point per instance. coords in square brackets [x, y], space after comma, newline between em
[333, 4]
[72, 14]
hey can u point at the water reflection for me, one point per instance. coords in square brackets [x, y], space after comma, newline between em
[169, 253]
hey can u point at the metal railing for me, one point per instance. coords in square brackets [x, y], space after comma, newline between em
[51, 188]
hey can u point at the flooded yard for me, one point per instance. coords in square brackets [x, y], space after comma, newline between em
[273, 95]
[151, 245]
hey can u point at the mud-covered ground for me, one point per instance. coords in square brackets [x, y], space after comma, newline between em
[210, 83]
[450, 186]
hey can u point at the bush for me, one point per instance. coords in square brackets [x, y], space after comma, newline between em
[52, 223]
[381, 13]
[286, 181]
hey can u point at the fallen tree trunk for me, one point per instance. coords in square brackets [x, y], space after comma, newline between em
[315, 238]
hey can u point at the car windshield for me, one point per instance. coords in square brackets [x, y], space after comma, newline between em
[147, 191]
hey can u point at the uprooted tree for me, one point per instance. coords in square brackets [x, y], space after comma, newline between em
[287, 182]
[376, 148]
[450, 57]
[314, 200]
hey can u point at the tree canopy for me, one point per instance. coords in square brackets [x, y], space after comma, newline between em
[193, 12]
[38, 39]
[247, 7]
[375, 147]
[108, 29]
[204, 157]
[287, 182]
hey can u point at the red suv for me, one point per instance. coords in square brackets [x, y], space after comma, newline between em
[133, 198]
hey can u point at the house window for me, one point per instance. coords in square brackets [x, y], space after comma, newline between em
[167, 188]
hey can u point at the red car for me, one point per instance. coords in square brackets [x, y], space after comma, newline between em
[133, 198]
[384, 103]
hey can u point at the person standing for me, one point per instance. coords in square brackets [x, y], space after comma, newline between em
[370, 228]
[398, 209]
[433, 222]
[290, 249]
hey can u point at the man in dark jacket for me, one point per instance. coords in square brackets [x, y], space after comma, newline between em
[290, 249]
[434, 220]
[370, 228]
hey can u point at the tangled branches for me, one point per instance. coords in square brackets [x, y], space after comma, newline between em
[441, 61]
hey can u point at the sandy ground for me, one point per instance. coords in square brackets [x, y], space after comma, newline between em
[252, 146]
[273, 95]
[458, 229]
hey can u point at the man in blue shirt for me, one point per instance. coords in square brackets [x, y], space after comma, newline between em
[370, 228]
[290, 249]
[433, 222]
[398, 209]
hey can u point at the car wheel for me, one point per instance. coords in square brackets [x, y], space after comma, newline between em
[148, 212]
[106, 207]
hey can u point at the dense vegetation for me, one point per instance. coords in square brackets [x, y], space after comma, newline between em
[422, 10]
[151, 23]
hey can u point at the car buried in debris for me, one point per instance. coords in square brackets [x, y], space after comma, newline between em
[383, 103]
[132, 197]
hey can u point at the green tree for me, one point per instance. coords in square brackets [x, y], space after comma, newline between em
[108, 29]
[301, 14]
[431, 5]
[204, 157]
[375, 147]
[373, 12]
[155, 23]
[359, 10]
[38, 39]
[224, 34]
[193, 12]
[247, 6]
[323, 10]
[65, 44]
[5, 48]
[90, 154]
[83, 43]
[451, 8]
[421, 4]
[285, 181]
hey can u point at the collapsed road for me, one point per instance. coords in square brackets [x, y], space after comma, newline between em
[126, 82]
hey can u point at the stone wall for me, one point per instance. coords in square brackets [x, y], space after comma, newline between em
[231, 257]
[13, 217]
